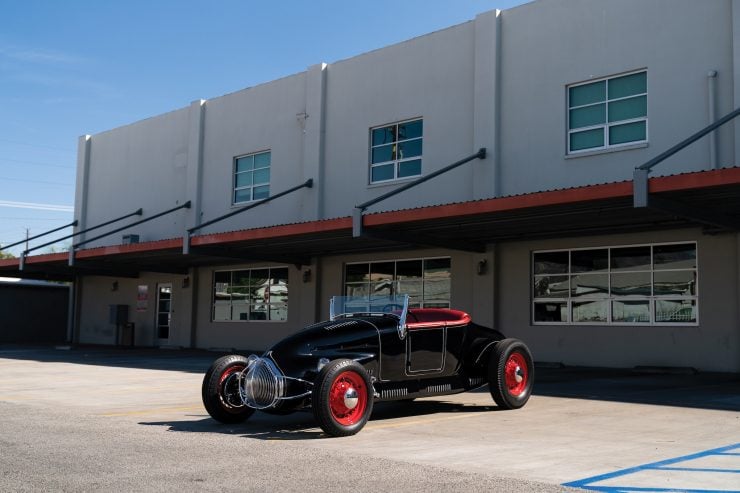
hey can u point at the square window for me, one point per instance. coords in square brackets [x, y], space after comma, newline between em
[251, 177]
[607, 113]
[250, 294]
[396, 151]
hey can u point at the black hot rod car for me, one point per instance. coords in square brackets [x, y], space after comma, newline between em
[369, 351]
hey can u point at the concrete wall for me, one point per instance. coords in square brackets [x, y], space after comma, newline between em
[97, 293]
[712, 345]
[498, 81]
[549, 44]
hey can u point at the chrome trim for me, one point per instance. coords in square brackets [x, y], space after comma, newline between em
[263, 385]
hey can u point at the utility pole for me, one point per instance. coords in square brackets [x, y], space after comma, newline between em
[27, 232]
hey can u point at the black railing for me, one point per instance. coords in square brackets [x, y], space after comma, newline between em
[5, 247]
[640, 176]
[359, 209]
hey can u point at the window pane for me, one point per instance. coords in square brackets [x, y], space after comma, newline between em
[222, 312]
[222, 277]
[675, 256]
[384, 153]
[590, 311]
[279, 276]
[409, 168]
[631, 132]
[551, 263]
[587, 94]
[683, 311]
[384, 135]
[410, 130]
[240, 294]
[589, 260]
[551, 287]
[409, 269]
[437, 268]
[681, 282]
[244, 195]
[637, 311]
[590, 285]
[240, 311]
[360, 290]
[628, 109]
[621, 87]
[279, 313]
[631, 283]
[631, 258]
[262, 160]
[244, 164]
[261, 192]
[588, 116]
[357, 272]
[554, 311]
[412, 148]
[587, 139]
[262, 176]
[243, 179]
[382, 173]
[382, 271]
[258, 312]
[411, 288]
[437, 290]
[240, 278]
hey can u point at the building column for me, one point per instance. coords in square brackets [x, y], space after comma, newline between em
[194, 179]
[313, 122]
[84, 144]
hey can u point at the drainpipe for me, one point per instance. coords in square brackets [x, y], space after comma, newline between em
[712, 103]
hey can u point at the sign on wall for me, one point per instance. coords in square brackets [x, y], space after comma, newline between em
[142, 298]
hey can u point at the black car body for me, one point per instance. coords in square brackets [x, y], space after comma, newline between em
[370, 352]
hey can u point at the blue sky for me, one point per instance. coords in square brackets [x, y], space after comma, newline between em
[72, 68]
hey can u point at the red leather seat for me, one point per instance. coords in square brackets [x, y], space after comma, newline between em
[424, 318]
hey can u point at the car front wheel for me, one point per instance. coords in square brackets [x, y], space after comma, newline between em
[510, 374]
[342, 397]
[220, 390]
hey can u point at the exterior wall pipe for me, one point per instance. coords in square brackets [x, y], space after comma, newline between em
[712, 102]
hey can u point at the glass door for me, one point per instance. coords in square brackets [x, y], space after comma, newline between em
[164, 312]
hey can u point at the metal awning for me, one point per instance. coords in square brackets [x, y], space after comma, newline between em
[587, 210]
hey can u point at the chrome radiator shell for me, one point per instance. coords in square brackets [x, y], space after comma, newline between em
[262, 385]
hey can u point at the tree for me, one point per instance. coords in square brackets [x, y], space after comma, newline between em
[6, 255]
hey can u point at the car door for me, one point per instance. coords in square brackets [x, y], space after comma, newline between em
[425, 350]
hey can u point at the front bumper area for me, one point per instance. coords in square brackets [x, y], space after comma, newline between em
[263, 385]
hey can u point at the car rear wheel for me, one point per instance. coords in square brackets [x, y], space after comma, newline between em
[510, 373]
[342, 397]
[220, 390]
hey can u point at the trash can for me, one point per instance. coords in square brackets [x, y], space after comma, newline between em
[128, 334]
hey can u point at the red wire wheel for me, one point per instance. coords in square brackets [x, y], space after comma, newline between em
[516, 374]
[510, 373]
[348, 398]
[342, 397]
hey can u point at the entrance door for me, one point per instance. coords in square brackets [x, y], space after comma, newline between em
[164, 313]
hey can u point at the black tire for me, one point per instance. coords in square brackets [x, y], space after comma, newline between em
[220, 390]
[328, 398]
[510, 373]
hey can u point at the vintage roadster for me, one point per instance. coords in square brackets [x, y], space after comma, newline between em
[369, 351]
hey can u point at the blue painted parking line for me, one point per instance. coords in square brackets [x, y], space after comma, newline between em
[722, 479]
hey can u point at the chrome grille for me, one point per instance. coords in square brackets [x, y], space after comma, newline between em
[263, 384]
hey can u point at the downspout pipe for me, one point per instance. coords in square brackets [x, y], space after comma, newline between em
[712, 104]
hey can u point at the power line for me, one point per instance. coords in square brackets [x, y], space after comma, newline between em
[32, 205]
[34, 163]
[36, 145]
[57, 183]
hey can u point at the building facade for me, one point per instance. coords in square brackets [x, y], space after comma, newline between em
[537, 236]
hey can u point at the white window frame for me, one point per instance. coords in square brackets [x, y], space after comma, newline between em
[609, 298]
[396, 162]
[251, 187]
[607, 124]
[395, 269]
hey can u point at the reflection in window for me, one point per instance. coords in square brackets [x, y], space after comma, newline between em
[625, 285]
[426, 281]
[250, 295]
[251, 177]
[396, 151]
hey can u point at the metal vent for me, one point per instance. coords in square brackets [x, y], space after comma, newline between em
[388, 393]
[435, 389]
[340, 325]
[263, 384]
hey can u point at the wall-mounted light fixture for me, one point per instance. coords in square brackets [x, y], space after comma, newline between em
[482, 267]
[185, 282]
[307, 275]
[114, 286]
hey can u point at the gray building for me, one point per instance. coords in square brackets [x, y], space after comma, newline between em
[547, 108]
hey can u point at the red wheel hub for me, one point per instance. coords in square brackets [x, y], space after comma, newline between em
[348, 398]
[228, 392]
[516, 374]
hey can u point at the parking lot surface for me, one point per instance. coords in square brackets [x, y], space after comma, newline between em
[106, 419]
